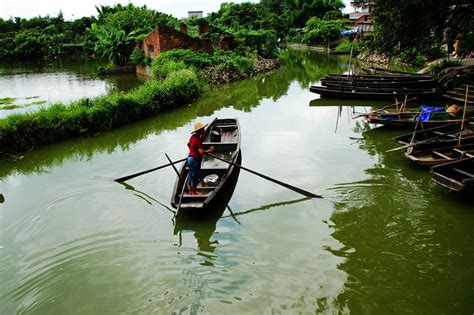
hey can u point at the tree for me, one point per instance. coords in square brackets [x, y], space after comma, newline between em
[424, 25]
[118, 29]
[322, 31]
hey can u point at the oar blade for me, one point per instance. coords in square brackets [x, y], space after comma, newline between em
[291, 187]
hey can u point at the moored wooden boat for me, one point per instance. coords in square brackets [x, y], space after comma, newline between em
[374, 93]
[438, 137]
[388, 72]
[440, 156]
[392, 84]
[408, 120]
[377, 77]
[457, 175]
[224, 135]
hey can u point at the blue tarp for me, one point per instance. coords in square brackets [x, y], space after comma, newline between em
[349, 32]
[426, 112]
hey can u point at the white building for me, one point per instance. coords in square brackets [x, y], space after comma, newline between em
[195, 14]
[361, 8]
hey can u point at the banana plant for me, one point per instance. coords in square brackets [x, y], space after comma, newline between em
[114, 44]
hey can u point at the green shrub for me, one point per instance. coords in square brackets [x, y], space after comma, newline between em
[138, 57]
[345, 45]
[446, 63]
[411, 56]
[243, 64]
[161, 68]
[320, 32]
[188, 57]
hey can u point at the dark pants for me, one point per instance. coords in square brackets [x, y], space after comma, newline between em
[194, 171]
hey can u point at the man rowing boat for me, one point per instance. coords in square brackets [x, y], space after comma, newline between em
[195, 157]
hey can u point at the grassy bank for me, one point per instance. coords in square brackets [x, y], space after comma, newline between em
[20, 132]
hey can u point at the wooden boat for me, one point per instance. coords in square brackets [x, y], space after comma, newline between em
[374, 94]
[440, 156]
[387, 72]
[457, 175]
[437, 137]
[408, 120]
[392, 84]
[224, 135]
[350, 77]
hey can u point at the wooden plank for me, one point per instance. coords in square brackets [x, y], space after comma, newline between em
[197, 196]
[445, 134]
[192, 205]
[442, 155]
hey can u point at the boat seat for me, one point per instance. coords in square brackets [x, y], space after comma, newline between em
[442, 155]
[197, 196]
[227, 127]
[221, 146]
[200, 186]
[220, 168]
[463, 172]
[192, 205]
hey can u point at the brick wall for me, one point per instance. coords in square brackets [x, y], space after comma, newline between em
[164, 38]
[203, 28]
[151, 44]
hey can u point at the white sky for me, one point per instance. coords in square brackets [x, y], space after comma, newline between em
[74, 9]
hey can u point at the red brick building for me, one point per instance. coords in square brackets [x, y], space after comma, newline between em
[164, 38]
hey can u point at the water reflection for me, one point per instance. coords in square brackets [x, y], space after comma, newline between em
[28, 85]
[407, 244]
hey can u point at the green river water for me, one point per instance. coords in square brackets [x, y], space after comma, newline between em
[385, 239]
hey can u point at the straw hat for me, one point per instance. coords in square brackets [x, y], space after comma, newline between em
[198, 126]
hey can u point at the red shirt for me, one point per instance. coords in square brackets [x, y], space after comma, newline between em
[194, 145]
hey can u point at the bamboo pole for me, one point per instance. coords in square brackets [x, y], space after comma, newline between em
[463, 115]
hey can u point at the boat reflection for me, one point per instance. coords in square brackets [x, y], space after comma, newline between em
[203, 221]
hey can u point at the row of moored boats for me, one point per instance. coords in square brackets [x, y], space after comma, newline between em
[442, 140]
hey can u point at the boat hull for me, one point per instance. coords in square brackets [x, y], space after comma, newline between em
[228, 147]
[456, 176]
[371, 95]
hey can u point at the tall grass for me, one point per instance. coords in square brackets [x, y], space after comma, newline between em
[20, 132]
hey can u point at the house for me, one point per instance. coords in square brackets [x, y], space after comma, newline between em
[195, 14]
[165, 38]
[361, 15]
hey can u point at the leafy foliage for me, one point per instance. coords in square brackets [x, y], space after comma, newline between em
[345, 45]
[120, 27]
[423, 25]
[445, 63]
[174, 60]
[322, 31]
[42, 36]
[114, 44]
[138, 57]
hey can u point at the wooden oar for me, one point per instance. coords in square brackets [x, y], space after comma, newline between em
[175, 169]
[298, 190]
[125, 178]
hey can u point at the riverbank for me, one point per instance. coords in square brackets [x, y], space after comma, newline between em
[86, 117]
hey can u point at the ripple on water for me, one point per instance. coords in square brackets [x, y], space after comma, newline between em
[42, 264]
